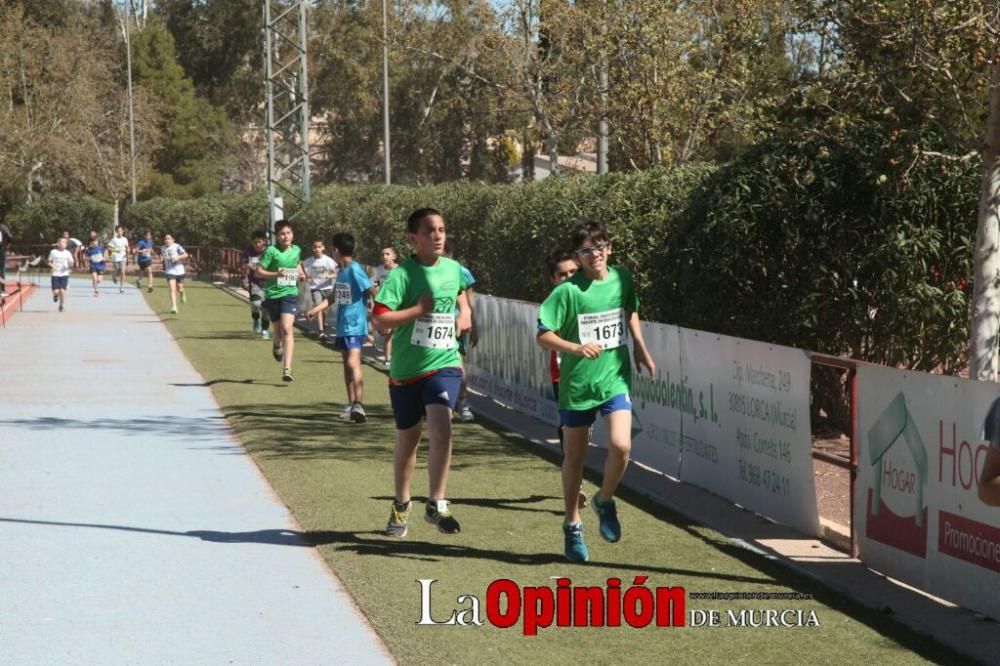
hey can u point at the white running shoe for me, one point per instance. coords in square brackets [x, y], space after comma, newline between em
[345, 414]
[465, 414]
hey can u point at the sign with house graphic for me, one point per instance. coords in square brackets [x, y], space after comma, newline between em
[917, 514]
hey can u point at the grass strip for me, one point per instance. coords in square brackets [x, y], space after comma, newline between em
[336, 478]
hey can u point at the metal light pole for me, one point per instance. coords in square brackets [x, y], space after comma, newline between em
[286, 93]
[127, 33]
[385, 92]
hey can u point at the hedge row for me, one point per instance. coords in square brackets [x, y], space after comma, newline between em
[840, 242]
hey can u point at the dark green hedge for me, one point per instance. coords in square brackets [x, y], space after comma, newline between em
[49, 215]
[846, 244]
[836, 240]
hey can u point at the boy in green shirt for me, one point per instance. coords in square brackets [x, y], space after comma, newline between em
[281, 265]
[588, 319]
[418, 300]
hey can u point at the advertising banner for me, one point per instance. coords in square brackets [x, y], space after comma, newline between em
[507, 364]
[745, 425]
[917, 512]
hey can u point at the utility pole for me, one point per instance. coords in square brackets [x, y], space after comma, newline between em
[385, 93]
[127, 34]
[286, 91]
[602, 93]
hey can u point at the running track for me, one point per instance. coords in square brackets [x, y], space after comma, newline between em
[134, 527]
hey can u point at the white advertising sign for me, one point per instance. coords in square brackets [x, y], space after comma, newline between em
[726, 414]
[507, 364]
[745, 425]
[917, 512]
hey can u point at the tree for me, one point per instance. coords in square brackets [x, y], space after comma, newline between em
[936, 64]
[60, 128]
[197, 137]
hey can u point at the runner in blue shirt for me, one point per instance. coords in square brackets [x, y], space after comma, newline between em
[144, 258]
[95, 255]
[350, 295]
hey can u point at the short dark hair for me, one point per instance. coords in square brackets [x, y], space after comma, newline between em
[258, 235]
[281, 224]
[589, 231]
[417, 216]
[555, 258]
[344, 244]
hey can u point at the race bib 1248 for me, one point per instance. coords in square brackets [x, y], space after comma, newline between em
[342, 294]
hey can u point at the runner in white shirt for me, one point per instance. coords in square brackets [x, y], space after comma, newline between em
[60, 261]
[174, 257]
[118, 247]
[321, 271]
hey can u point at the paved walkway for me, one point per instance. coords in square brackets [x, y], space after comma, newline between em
[134, 529]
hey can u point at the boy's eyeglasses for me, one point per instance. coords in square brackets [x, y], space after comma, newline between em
[600, 248]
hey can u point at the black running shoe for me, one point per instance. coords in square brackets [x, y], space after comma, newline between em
[438, 514]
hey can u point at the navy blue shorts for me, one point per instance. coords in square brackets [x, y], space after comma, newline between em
[179, 279]
[572, 418]
[275, 307]
[144, 264]
[409, 401]
[60, 282]
[97, 269]
[345, 342]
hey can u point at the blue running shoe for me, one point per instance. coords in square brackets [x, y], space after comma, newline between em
[607, 513]
[575, 548]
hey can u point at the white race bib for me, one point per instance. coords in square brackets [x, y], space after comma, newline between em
[97, 258]
[254, 261]
[341, 294]
[59, 265]
[170, 255]
[604, 329]
[288, 277]
[434, 331]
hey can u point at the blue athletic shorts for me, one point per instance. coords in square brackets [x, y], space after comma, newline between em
[409, 401]
[60, 282]
[275, 307]
[571, 418]
[97, 269]
[179, 279]
[144, 263]
[345, 342]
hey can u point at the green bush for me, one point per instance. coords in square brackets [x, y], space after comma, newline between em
[840, 244]
[51, 214]
[836, 240]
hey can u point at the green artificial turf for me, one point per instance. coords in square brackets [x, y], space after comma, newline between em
[336, 478]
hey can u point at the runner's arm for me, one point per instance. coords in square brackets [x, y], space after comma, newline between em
[261, 272]
[319, 307]
[384, 318]
[551, 341]
[639, 351]
[464, 312]
[474, 329]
